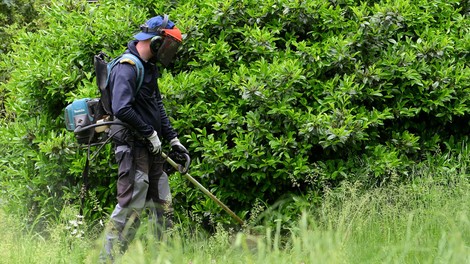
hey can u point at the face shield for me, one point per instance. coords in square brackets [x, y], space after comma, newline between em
[171, 42]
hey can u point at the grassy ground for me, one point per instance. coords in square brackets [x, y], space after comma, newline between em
[427, 221]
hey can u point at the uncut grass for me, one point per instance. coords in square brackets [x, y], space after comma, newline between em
[424, 222]
[22, 246]
[407, 224]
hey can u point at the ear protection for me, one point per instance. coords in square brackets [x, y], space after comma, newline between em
[156, 41]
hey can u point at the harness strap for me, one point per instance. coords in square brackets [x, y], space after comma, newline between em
[136, 62]
[85, 173]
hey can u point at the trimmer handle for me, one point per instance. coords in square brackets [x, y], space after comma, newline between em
[184, 169]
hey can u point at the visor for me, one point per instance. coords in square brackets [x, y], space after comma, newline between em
[171, 42]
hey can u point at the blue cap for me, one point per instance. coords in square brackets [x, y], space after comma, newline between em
[151, 24]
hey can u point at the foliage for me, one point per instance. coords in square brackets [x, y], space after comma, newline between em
[13, 15]
[19, 13]
[50, 68]
[292, 97]
[424, 221]
[274, 99]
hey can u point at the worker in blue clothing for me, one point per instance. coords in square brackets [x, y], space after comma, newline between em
[142, 182]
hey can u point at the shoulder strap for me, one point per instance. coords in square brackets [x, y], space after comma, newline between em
[136, 62]
[139, 67]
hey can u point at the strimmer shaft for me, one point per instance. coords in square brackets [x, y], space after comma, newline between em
[203, 189]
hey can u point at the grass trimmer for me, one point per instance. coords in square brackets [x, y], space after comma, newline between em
[90, 136]
[183, 170]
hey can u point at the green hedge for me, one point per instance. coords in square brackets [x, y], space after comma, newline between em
[274, 99]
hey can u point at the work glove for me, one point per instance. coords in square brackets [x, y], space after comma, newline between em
[155, 143]
[177, 158]
[177, 147]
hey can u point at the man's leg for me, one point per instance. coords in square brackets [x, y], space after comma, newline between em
[120, 231]
[132, 188]
[159, 197]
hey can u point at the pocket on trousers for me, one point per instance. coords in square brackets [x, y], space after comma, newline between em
[126, 174]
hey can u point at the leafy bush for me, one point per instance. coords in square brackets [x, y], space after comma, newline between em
[50, 68]
[287, 98]
[274, 98]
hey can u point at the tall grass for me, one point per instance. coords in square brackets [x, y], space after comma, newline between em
[406, 224]
[425, 221]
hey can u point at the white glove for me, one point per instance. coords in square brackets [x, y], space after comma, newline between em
[155, 143]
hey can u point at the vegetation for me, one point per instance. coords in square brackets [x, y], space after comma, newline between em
[280, 102]
[423, 222]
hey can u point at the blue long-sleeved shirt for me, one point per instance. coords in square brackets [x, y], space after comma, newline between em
[144, 111]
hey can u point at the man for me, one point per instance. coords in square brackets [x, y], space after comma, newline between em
[141, 179]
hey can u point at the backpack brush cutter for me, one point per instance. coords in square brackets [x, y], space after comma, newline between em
[90, 120]
[182, 169]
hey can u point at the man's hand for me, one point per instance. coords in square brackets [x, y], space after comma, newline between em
[155, 143]
[177, 147]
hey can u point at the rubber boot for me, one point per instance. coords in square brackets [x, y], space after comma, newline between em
[112, 238]
[129, 232]
[118, 237]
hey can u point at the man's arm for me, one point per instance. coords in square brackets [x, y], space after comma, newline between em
[123, 80]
